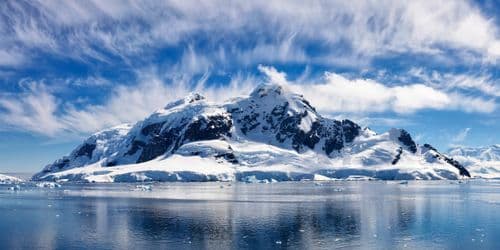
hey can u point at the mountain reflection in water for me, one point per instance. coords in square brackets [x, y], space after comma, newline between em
[224, 216]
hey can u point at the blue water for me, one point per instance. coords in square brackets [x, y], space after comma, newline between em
[367, 215]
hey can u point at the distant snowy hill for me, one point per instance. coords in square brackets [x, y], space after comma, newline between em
[489, 153]
[270, 135]
[8, 179]
[481, 161]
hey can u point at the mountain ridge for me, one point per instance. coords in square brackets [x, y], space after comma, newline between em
[8, 179]
[272, 134]
[484, 153]
[484, 162]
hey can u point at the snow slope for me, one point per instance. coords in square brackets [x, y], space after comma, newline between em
[270, 135]
[482, 162]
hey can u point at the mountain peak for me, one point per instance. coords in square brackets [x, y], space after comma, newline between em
[271, 95]
[268, 89]
[190, 98]
[193, 97]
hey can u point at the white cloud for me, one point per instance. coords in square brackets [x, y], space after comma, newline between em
[371, 121]
[486, 84]
[337, 93]
[349, 32]
[273, 75]
[33, 111]
[41, 112]
[11, 58]
[39, 109]
[90, 81]
[460, 136]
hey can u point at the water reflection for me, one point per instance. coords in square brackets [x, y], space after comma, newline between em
[285, 215]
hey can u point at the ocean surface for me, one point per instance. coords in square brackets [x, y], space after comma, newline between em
[300, 215]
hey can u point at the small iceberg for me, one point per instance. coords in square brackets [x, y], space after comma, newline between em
[318, 177]
[143, 188]
[253, 179]
[15, 188]
[48, 185]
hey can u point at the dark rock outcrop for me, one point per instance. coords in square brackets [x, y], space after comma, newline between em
[159, 140]
[86, 150]
[398, 156]
[462, 170]
[406, 139]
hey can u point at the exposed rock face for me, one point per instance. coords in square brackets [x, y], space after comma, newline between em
[158, 140]
[406, 139]
[275, 116]
[93, 149]
[209, 128]
[398, 156]
[271, 117]
[449, 160]
[86, 150]
[455, 163]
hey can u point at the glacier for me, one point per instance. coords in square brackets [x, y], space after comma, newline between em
[270, 135]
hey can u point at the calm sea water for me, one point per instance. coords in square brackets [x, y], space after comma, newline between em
[367, 215]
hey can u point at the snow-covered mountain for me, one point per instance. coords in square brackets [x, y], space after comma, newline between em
[482, 162]
[272, 134]
[6, 179]
[488, 153]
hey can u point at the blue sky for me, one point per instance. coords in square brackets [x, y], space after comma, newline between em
[71, 68]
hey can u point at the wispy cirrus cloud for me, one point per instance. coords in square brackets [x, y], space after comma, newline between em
[485, 83]
[459, 138]
[355, 31]
[11, 58]
[31, 111]
[41, 109]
